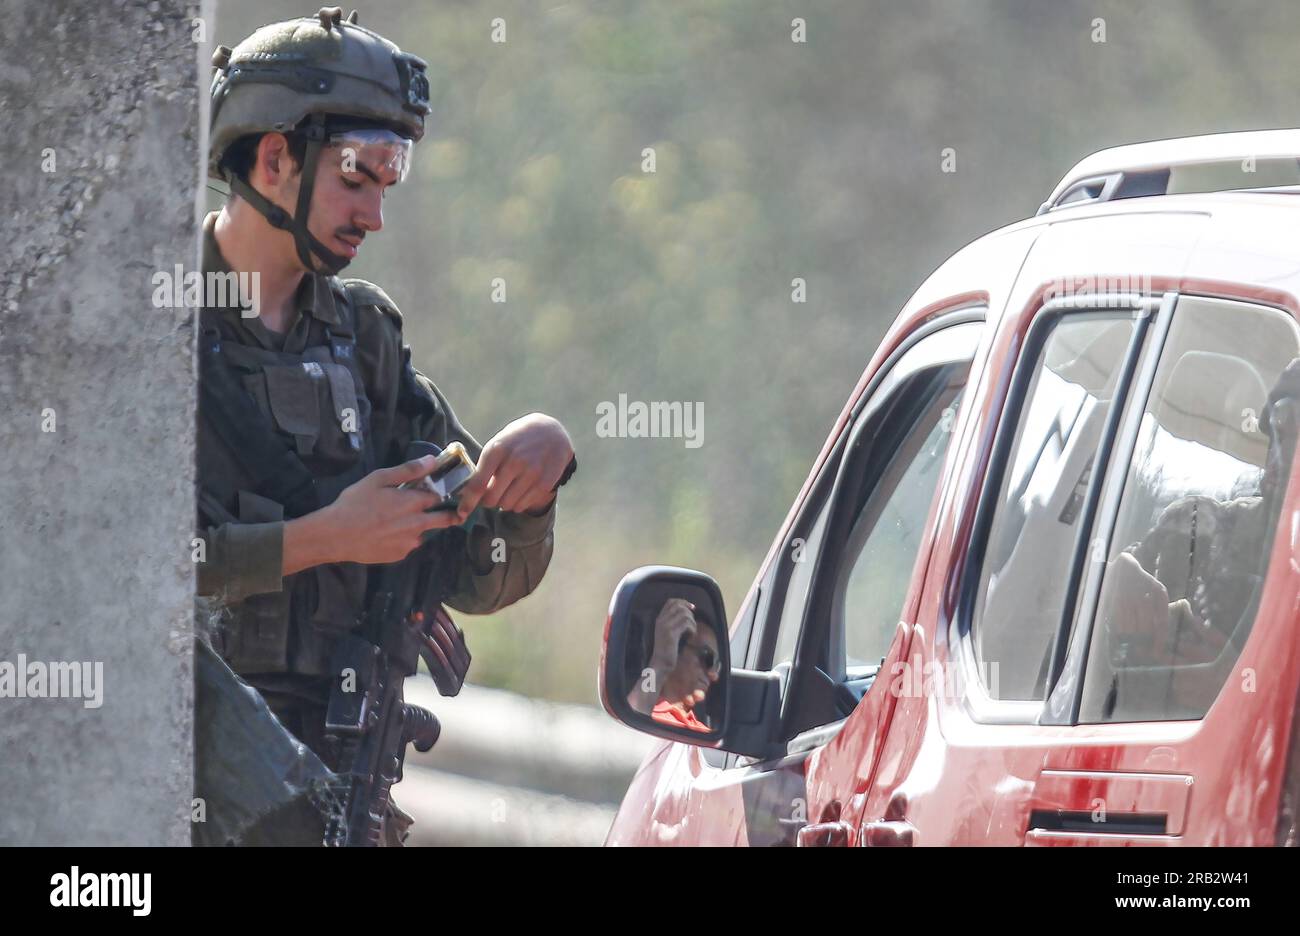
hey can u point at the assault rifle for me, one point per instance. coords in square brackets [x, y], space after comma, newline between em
[367, 723]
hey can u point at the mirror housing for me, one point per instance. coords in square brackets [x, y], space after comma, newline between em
[665, 666]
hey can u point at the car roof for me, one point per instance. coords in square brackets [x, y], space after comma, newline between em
[1248, 238]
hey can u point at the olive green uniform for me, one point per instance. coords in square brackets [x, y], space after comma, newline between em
[277, 632]
[287, 422]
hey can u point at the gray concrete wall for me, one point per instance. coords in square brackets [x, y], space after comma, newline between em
[100, 110]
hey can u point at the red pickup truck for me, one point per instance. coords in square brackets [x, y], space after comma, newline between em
[1042, 584]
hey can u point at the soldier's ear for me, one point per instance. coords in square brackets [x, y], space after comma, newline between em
[274, 161]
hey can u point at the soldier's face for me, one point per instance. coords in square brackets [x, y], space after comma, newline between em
[348, 197]
[352, 177]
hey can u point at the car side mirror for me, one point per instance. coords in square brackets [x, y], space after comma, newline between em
[666, 668]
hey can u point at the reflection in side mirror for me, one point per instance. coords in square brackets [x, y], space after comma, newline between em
[666, 663]
[679, 667]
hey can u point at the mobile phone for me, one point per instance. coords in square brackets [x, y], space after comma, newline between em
[450, 472]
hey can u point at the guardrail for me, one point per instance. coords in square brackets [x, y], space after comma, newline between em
[511, 770]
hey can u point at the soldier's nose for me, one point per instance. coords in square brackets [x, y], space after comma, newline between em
[371, 219]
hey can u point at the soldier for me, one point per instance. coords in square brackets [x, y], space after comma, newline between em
[307, 407]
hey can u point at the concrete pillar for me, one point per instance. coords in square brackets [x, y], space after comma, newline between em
[100, 158]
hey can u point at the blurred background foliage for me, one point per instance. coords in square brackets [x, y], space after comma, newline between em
[774, 160]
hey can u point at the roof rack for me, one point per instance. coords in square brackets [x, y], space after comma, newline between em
[1214, 163]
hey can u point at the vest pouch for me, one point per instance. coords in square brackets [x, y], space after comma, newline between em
[316, 403]
[346, 413]
[257, 635]
[328, 602]
[293, 393]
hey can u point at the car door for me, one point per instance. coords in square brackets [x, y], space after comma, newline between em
[1112, 632]
[864, 523]
[842, 626]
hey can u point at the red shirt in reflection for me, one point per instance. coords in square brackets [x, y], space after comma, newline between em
[669, 712]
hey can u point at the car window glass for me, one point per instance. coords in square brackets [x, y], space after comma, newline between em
[1199, 509]
[1031, 542]
[886, 538]
[906, 406]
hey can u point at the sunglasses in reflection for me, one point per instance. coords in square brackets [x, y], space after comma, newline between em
[706, 655]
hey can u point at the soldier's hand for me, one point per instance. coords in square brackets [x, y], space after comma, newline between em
[519, 467]
[375, 521]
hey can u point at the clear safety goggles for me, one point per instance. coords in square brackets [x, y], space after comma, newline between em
[376, 150]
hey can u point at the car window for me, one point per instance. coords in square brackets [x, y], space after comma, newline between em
[886, 537]
[888, 480]
[1197, 516]
[1034, 526]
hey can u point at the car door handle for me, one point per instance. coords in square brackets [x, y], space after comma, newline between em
[887, 833]
[1107, 804]
[823, 835]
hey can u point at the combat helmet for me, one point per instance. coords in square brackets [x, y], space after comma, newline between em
[307, 75]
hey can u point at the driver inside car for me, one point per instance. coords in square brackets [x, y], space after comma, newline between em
[1178, 595]
[684, 663]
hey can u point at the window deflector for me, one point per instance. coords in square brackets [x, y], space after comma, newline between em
[772, 604]
[981, 706]
[1065, 691]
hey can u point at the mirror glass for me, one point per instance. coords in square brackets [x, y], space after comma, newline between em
[673, 669]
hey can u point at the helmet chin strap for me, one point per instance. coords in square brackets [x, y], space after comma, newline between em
[304, 241]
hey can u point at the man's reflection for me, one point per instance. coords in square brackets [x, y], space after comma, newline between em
[684, 663]
[1180, 593]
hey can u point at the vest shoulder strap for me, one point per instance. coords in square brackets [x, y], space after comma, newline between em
[362, 293]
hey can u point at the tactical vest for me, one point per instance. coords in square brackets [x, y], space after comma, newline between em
[281, 435]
